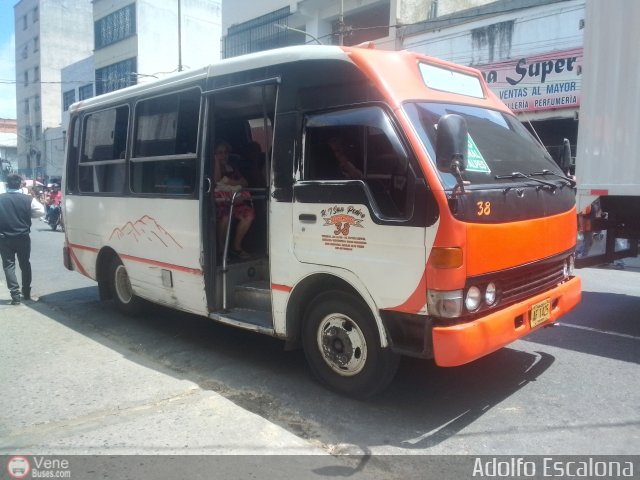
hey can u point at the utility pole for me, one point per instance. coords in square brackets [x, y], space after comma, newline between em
[179, 36]
[341, 24]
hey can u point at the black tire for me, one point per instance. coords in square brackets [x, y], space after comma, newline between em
[121, 290]
[342, 346]
[54, 226]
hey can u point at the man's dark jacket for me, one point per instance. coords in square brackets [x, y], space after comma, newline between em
[15, 214]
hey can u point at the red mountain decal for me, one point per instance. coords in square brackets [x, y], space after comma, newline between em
[145, 229]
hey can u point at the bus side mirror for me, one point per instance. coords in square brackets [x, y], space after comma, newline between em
[565, 156]
[452, 144]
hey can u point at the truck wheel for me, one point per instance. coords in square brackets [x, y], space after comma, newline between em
[123, 295]
[342, 346]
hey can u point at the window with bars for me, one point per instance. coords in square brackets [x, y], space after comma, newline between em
[68, 98]
[261, 33]
[116, 26]
[115, 76]
[86, 91]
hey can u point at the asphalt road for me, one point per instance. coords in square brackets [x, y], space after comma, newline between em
[90, 380]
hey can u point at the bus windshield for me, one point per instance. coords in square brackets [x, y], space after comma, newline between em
[498, 143]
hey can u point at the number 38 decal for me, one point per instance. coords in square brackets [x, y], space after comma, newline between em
[484, 208]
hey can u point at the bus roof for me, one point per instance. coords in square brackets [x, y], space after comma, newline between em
[223, 67]
[394, 73]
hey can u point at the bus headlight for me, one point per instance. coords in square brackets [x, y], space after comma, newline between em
[444, 304]
[490, 294]
[473, 298]
[567, 268]
[572, 265]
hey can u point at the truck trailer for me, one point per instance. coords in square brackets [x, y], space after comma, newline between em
[608, 151]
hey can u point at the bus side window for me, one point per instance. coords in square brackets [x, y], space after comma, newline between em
[359, 144]
[166, 127]
[104, 136]
[72, 155]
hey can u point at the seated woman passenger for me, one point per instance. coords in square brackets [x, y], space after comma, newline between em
[228, 181]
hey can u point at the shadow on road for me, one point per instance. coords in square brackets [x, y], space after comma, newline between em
[424, 405]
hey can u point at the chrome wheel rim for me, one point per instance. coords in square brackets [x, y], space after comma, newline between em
[123, 285]
[342, 344]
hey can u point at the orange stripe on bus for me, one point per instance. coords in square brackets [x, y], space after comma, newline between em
[77, 262]
[282, 288]
[171, 266]
[82, 247]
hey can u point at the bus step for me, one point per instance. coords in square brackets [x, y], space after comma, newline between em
[247, 318]
[253, 295]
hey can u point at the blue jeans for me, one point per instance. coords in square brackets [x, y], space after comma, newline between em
[10, 247]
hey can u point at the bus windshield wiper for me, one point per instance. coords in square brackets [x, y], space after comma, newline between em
[571, 182]
[528, 177]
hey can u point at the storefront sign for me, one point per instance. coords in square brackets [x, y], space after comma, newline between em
[541, 82]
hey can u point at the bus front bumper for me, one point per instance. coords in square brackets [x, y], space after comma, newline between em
[459, 344]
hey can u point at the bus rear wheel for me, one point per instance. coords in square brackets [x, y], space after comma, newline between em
[123, 295]
[342, 346]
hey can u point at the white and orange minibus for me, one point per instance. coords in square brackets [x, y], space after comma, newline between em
[450, 234]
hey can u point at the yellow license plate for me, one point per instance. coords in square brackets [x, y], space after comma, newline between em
[540, 313]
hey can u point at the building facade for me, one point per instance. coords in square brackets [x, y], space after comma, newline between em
[251, 26]
[530, 51]
[8, 145]
[70, 50]
[50, 34]
[142, 40]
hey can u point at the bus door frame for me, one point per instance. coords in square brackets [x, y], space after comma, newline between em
[207, 209]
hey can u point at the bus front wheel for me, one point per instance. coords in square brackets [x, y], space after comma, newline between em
[342, 346]
[123, 295]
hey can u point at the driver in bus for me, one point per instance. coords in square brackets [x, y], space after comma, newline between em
[228, 181]
[346, 167]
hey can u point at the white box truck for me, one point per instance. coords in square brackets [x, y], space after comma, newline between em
[608, 152]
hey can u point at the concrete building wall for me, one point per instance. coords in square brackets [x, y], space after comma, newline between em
[155, 44]
[58, 32]
[447, 7]
[554, 26]
[74, 77]
[8, 144]
[523, 29]
[315, 17]
[54, 147]
[158, 43]
[530, 52]
[239, 11]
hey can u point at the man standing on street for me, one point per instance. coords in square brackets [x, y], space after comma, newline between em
[16, 212]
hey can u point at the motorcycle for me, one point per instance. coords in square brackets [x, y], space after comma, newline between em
[55, 218]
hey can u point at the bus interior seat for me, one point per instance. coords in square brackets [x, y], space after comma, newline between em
[102, 152]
